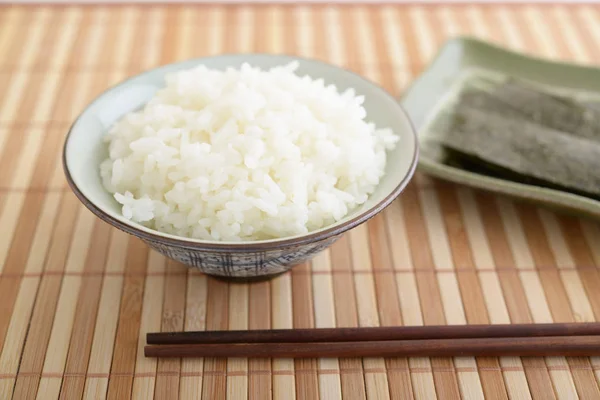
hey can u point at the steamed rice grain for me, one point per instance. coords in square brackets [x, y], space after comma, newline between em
[244, 154]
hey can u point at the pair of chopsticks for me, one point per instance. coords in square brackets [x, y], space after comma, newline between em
[568, 339]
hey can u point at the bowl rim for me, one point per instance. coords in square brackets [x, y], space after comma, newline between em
[257, 245]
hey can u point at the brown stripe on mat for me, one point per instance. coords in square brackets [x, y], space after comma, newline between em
[12, 20]
[85, 314]
[585, 30]
[307, 386]
[14, 336]
[388, 305]
[173, 313]
[569, 44]
[26, 40]
[18, 253]
[282, 318]
[448, 285]
[38, 332]
[563, 384]
[323, 298]
[488, 20]
[582, 254]
[195, 320]
[62, 323]
[514, 292]
[153, 317]
[237, 383]
[470, 288]
[125, 344]
[259, 386]
[215, 384]
[260, 39]
[524, 33]
[171, 34]
[107, 318]
[377, 21]
[427, 286]
[353, 386]
[556, 295]
[515, 381]
[26, 93]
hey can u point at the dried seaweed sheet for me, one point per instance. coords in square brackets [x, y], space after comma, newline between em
[521, 147]
[477, 165]
[516, 99]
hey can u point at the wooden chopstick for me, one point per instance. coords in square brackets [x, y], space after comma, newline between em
[374, 334]
[509, 346]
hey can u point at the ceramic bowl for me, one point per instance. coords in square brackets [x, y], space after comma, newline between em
[84, 150]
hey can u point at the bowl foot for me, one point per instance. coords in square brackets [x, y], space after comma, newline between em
[246, 279]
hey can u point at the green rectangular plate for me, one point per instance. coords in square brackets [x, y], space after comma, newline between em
[460, 55]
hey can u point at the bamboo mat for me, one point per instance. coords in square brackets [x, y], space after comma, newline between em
[78, 297]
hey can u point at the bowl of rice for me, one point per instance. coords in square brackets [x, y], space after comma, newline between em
[241, 165]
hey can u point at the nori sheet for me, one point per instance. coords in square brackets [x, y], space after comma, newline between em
[526, 149]
[515, 99]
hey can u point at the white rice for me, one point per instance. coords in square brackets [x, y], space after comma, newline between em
[244, 154]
